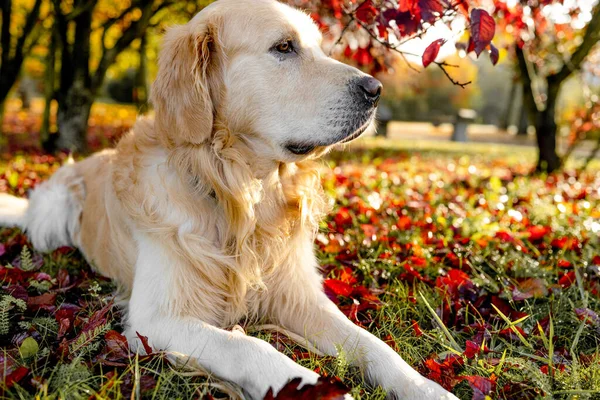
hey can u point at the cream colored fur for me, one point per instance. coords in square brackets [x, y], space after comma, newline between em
[203, 216]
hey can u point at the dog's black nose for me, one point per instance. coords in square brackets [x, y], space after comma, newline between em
[371, 87]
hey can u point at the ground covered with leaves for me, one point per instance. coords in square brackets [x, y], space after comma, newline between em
[485, 279]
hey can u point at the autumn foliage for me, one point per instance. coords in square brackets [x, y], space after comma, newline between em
[389, 24]
[485, 280]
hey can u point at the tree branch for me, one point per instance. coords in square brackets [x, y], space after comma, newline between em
[590, 38]
[80, 10]
[30, 23]
[5, 33]
[111, 21]
[531, 106]
[339, 40]
[441, 65]
[134, 31]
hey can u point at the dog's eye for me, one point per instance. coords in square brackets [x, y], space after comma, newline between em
[285, 47]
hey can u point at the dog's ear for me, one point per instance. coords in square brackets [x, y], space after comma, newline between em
[181, 92]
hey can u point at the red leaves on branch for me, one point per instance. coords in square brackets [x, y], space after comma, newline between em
[366, 12]
[324, 389]
[431, 52]
[483, 28]
[411, 6]
[494, 54]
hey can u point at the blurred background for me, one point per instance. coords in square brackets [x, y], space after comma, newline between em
[75, 73]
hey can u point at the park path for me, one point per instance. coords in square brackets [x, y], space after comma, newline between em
[398, 130]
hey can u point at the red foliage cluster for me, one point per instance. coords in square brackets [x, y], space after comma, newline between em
[390, 22]
[324, 389]
[399, 217]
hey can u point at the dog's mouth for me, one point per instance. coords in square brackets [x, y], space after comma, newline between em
[301, 149]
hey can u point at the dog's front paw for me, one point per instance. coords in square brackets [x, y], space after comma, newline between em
[423, 390]
[273, 380]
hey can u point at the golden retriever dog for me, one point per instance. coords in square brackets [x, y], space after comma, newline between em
[206, 214]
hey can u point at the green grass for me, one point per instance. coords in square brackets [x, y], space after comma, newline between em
[478, 274]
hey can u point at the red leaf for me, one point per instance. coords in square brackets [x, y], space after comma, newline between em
[463, 7]
[324, 389]
[431, 9]
[494, 54]
[510, 334]
[472, 349]
[411, 6]
[506, 309]
[453, 282]
[537, 232]
[366, 12]
[417, 328]
[15, 376]
[144, 340]
[363, 56]
[567, 279]
[63, 327]
[528, 288]
[97, 318]
[343, 217]
[116, 345]
[63, 278]
[431, 52]
[562, 263]
[481, 386]
[45, 301]
[483, 28]
[382, 31]
[338, 287]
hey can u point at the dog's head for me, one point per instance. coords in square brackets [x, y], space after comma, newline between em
[257, 67]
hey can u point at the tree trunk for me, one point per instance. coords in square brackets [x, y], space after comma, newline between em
[546, 131]
[75, 96]
[506, 118]
[73, 114]
[2, 106]
[49, 82]
[141, 85]
[523, 123]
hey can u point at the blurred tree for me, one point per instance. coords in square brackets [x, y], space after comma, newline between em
[111, 26]
[19, 32]
[552, 39]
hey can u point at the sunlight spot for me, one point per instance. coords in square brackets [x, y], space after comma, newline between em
[375, 200]
[516, 215]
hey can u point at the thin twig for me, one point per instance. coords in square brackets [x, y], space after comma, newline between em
[455, 82]
[341, 35]
[441, 65]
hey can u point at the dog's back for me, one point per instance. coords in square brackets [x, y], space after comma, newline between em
[54, 216]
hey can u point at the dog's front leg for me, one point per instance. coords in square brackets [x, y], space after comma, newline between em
[315, 317]
[249, 362]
